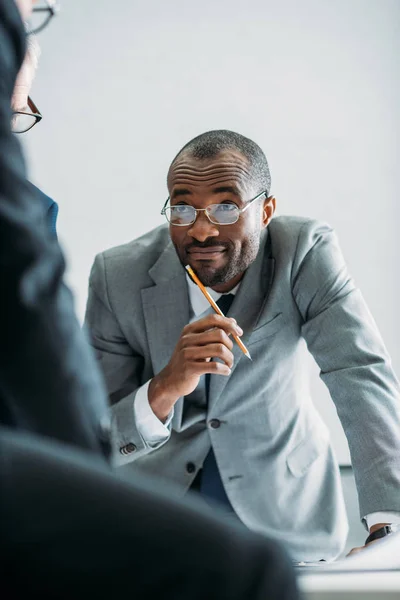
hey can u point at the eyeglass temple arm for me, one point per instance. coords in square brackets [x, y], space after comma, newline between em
[34, 108]
[264, 193]
[52, 8]
[165, 206]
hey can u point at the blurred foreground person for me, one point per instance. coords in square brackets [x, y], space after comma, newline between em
[49, 382]
[70, 526]
[26, 115]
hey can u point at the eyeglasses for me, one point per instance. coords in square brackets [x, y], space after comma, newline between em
[23, 121]
[42, 14]
[183, 215]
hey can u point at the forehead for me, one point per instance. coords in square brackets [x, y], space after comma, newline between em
[227, 168]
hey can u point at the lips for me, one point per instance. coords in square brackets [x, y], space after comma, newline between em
[209, 253]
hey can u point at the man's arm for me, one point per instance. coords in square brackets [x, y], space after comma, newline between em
[48, 377]
[344, 339]
[123, 370]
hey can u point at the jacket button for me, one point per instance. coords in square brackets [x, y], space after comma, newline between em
[190, 467]
[215, 423]
[127, 449]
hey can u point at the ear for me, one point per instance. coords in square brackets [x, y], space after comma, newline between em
[268, 210]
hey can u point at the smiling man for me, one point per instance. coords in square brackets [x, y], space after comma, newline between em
[188, 407]
[219, 186]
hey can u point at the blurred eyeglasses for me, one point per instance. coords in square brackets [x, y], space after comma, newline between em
[42, 13]
[23, 121]
[183, 215]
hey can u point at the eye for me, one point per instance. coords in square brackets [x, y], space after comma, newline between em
[225, 207]
[181, 209]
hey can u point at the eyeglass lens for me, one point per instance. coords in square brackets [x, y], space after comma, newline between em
[41, 15]
[21, 123]
[220, 214]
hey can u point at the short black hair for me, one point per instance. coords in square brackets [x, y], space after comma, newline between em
[211, 143]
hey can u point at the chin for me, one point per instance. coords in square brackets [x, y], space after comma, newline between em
[210, 276]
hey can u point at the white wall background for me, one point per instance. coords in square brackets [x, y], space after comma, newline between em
[123, 85]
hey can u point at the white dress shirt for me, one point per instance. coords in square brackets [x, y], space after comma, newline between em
[154, 432]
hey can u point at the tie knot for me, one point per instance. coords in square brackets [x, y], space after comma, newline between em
[225, 302]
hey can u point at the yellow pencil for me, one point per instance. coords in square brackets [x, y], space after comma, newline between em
[216, 308]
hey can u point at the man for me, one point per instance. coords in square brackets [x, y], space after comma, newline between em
[67, 524]
[246, 434]
[26, 116]
[49, 382]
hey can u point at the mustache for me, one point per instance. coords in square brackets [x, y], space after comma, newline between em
[207, 244]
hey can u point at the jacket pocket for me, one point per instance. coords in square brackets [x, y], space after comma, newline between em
[305, 454]
[266, 329]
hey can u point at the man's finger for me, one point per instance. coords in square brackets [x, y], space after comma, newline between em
[355, 550]
[227, 324]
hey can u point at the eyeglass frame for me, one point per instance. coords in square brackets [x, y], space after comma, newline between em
[52, 9]
[197, 210]
[35, 113]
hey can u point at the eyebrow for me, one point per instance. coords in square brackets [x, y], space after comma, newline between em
[224, 189]
[181, 192]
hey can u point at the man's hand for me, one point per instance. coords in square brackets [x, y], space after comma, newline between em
[199, 342]
[360, 548]
[372, 529]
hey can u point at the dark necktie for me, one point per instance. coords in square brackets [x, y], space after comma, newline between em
[208, 481]
[225, 302]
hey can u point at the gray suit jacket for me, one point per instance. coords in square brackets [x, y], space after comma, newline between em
[272, 449]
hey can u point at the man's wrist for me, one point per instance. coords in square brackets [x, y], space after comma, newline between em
[380, 530]
[160, 399]
[377, 526]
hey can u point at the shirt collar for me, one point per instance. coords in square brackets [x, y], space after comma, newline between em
[197, 300]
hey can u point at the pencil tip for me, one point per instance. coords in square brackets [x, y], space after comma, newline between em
[248, 355]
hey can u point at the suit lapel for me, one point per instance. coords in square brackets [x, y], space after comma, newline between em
[166, 312]
[246, 309]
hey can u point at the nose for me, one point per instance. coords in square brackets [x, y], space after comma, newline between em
[202, 228]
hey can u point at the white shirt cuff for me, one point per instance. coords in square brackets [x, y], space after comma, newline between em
[382, 517]
[151, 429]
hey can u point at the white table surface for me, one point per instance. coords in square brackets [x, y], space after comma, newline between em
[369, 585]
[373, 574]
